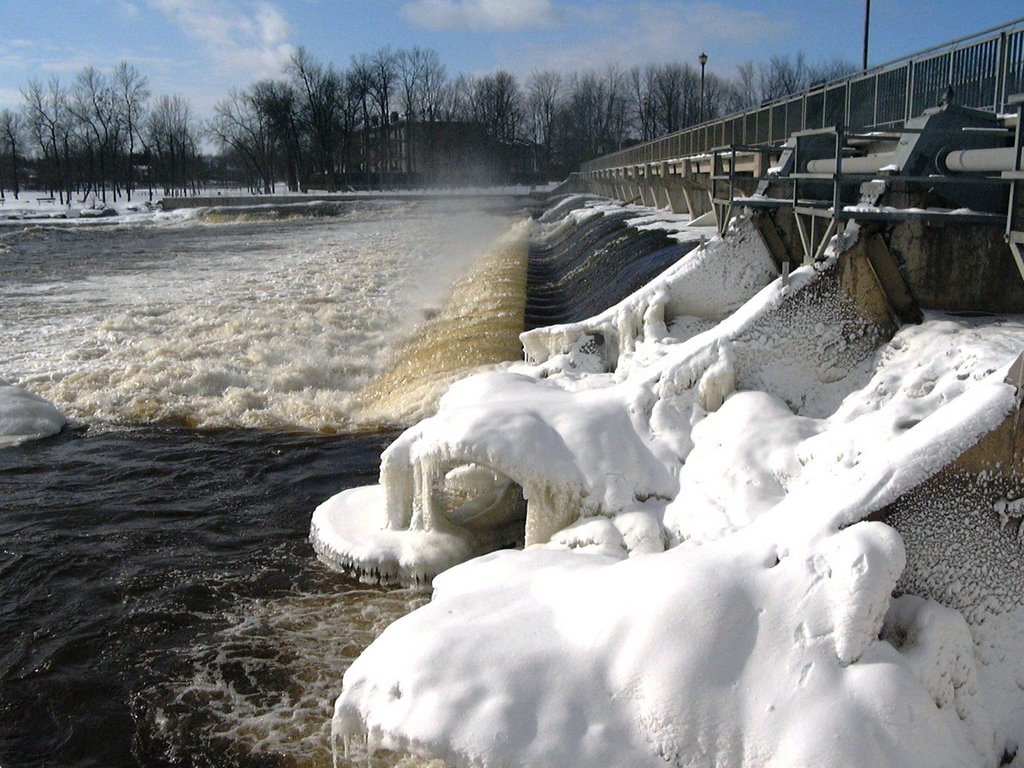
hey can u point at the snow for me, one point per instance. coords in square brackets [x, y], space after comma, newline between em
[700, 583]
[40, 208]
[25, 416]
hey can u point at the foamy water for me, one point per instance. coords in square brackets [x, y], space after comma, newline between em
[266, 684]
[229, 321]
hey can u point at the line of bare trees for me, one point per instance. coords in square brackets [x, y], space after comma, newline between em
[100, 134]
[318, 125]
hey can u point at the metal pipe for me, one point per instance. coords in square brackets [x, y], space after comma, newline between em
[863, 164]
[978, 160]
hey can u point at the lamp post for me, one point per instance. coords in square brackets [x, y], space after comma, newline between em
[703, 59]
[867, 25]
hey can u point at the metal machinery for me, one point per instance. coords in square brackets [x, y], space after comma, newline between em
[950, 165]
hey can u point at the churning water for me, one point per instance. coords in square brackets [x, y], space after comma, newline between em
[159, 603]
[271, 324]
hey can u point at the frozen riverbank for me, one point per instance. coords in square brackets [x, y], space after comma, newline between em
[693, 469]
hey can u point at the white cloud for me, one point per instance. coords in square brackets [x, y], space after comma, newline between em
[126, 9]
[655, 32]
[491, 15]
[245, 37]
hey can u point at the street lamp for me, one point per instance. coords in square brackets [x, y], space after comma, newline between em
[703, 59]
[867, 26]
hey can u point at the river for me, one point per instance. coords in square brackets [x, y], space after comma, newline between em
[159, 601]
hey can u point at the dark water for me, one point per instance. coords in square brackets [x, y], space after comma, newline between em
[159, 602]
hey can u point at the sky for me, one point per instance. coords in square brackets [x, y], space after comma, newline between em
[202, 49]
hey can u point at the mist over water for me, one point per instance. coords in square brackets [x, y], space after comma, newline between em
[254, 321]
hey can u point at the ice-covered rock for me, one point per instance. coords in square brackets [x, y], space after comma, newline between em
[25, 416]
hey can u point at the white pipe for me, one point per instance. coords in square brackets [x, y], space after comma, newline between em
[863, 164]
[979, 160]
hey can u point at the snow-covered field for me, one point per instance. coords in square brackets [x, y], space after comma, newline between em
[35, 205]
[693, 470]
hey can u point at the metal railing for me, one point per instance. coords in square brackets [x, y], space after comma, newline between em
[984, 70]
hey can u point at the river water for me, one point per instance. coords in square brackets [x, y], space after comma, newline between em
[159, 602]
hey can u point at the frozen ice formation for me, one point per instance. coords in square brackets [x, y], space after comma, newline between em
[25, 416]
[691, 472]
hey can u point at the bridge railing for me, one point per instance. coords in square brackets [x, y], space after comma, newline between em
[984, 70]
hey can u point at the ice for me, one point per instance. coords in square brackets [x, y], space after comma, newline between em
[709, 655]
[701, 583]
[25, 416]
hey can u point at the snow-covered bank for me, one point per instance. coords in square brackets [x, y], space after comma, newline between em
[25, 416]
[696, 466]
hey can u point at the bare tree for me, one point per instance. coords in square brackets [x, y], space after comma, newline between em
[784, 76]
[544, 91]
[171, 140]
[95, 107]
[421, 77]
[497, 103]
[433, 82]
[595, 116]
[49, 119]
[831, 70]
[644, 103]
[321, 91]
[747, 87]
[278, 103]
[383, 83]
[12, 140]
[353, 108]
[131, 89]
[239, 126]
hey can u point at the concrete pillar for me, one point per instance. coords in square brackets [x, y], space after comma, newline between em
[611, 183]
[664, 201]
[634, 185]
[646, 187]
[676, 195]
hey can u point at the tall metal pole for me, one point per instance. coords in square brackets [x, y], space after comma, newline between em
[703, 59]
[867, 25]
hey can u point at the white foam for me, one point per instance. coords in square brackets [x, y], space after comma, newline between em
[272, 328]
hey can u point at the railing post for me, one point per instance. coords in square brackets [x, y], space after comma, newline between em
[874, 108]
[1001, 72]
[836, 193]
[908, 103]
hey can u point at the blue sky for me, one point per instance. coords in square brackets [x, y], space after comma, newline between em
[202, 48]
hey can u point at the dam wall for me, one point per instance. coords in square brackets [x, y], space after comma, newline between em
[531, 199]
[924, 153]
[584, 269]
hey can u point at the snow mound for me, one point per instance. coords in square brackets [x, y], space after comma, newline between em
[716, 655]
[780, 644]
[557, 455]
[692, 472]
[25, 416]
